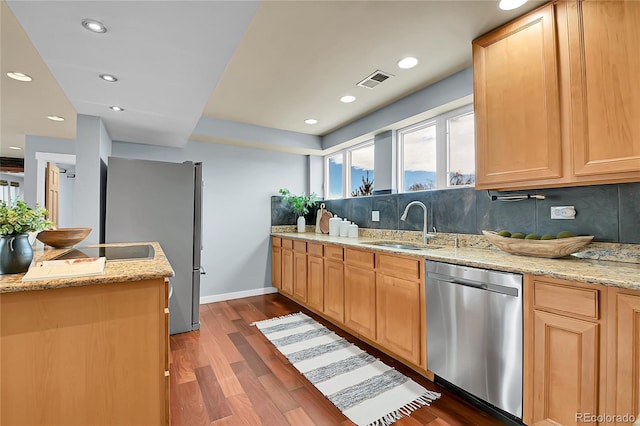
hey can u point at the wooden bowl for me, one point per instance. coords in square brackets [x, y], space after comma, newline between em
[63, 237]
[538, 248]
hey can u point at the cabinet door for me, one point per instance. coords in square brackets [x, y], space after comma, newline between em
[360, 300]
[334, 289]
[287, 271]
[605, 89]
[624, 372]
[300, 276]
[398, 311]
[276, 267]
[565, 368]
[517, 109]
[315, 283]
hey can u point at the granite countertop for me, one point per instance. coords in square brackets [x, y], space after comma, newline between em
[617, 274]
[115, 271]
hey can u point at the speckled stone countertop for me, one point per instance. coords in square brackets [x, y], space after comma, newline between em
[617, 274]
[115, 271]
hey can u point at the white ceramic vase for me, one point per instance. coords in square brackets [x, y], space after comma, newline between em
[301, 224]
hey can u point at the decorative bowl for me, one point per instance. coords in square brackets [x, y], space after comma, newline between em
[551, 249]
[63, 237]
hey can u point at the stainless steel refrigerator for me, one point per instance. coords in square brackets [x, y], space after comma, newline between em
[160, 201]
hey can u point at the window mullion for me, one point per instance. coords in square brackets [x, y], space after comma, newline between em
[441, 153]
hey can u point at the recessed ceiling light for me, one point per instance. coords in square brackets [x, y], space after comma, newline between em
[347, 99]
[15, 147]
[409, 62]
[93, 25]
[510, 4]
[55, 118]
[108, 77]
[19, 76]
[116, 108]
[311, 121]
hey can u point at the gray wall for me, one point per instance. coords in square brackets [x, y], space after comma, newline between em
[609, 212]
[66, 200]
[238, 185]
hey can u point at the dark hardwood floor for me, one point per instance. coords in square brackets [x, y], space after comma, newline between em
[227, 373]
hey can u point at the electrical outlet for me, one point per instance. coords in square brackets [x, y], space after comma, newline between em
[563, 212]
[375, 216]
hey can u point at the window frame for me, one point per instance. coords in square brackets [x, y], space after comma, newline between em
[346, 168]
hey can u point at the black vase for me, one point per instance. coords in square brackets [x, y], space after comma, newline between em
[15, 253]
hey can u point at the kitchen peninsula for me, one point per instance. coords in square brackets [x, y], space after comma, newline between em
[87, 350]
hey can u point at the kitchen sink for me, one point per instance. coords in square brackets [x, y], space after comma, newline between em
[400, 245]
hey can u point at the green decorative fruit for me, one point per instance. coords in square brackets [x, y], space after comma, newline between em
[565, 234]
[504, 233]
[519, 235]
[532, 237]
[548, 237]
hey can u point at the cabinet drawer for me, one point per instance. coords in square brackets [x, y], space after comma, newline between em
[334, 252]
[300, 246]
[358, 257]
[314, 249]
[288, 244]
[583, 302]
[276, 241]
[400, 267]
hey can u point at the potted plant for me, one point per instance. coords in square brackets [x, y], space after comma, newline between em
[16, 222]
[300, 205]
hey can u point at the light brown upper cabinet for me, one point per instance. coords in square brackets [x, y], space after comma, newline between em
[557, 98]
[517, 102]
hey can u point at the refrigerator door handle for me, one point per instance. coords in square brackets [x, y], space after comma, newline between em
[202, 271]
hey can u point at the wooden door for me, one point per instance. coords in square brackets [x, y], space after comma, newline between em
[276, 267]
[605, 90]
[287, 271]
[300, 276]
[334, 289]
[398, 311]
[624, 355]
[565, 368]
[517, 109]
[360, 300]
[315, 283]
[52, 192]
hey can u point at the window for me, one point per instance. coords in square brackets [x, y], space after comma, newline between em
[437, 153]
[350, 172]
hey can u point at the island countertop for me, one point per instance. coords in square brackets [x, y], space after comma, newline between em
[115, 271]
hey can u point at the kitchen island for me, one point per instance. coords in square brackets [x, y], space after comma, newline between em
[87, 350]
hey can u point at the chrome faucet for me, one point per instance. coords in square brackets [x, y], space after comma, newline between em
[424, 226]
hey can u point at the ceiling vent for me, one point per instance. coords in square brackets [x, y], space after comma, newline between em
[374, 79]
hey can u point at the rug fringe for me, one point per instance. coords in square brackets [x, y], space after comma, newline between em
[405, 411]
[267, 321]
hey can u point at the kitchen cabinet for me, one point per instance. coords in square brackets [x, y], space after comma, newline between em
[360, 292]
[276, 262]
[400, 305]
[517, 102]
[624, 352]
[315, 276]
[555, 95]
[287, 267]
[86, 355]
[334, 283]
[300, 271]
[565, 354]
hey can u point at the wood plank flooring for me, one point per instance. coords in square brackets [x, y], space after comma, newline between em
[227, 373]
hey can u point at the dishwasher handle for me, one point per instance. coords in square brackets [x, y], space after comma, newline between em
[480, 286]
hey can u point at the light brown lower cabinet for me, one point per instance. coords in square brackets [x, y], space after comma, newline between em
[334, 284]
[287, 268]
[360, 300]
[315, 282]
[276, 262]
[89, 355]
[300, 271]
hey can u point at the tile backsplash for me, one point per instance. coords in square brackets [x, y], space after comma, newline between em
[609, 212]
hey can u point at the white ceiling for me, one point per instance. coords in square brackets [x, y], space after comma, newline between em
[273, 63]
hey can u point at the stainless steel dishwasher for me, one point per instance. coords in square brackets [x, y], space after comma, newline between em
[474, 332]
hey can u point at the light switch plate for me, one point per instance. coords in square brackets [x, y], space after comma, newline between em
[563, 212]
[375, 216]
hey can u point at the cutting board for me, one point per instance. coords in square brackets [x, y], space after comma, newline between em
[324, 221]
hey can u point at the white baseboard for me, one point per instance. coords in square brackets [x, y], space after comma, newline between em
[237, 295]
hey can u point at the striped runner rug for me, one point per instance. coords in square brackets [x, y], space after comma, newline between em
[363, 388]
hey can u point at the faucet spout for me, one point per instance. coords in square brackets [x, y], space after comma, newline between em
[424, 209]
